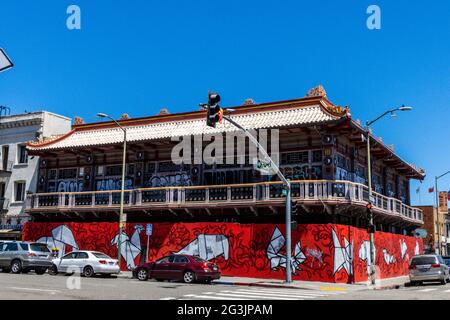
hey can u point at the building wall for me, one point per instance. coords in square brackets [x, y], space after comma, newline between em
[320, 252]
[15, 131]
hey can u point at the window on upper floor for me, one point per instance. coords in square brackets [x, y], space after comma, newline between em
[22, 154]
[19, 191]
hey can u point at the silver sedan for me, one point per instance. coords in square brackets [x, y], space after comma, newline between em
[428, 267]
[88, 263]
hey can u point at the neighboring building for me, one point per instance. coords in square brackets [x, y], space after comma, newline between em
[430, 218]
[430, 225]
[321, 151]
[18, 171]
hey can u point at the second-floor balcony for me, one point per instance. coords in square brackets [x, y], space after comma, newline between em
[329, 194]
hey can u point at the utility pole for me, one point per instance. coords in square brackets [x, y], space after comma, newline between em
[215, 114]
[369, 185]
[122, 217]
[437, 210]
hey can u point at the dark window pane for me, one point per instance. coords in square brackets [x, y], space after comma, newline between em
[40, 247]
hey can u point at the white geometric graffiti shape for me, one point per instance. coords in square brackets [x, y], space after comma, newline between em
[129, 249]
[388, 259]
[278, 260]
[364, 254]
[416, 249]
[208, 246]
[61, 236]
[403, 248]
[342, 255]
[276, 244]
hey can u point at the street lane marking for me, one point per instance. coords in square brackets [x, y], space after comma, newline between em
[34, 289]
[447, 290]
[427, 290]
[168, 298]
[234, 294]
[212, 297]
[305, 292]
[271, 294]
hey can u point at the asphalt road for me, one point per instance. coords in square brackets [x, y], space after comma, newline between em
[32, 286]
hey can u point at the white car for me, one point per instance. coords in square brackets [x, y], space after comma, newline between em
[88, 263]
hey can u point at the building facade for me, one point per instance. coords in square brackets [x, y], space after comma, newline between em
[18, 170]
[319, 148]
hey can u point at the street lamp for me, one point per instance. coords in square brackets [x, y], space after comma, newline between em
[369, 184]
[122, 218]
[437, 209]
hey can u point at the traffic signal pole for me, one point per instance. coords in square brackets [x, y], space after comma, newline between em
[287, 186]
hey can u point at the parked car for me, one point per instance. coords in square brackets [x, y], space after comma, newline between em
[447, 260]
[19, 256]
[428, 267]
[88, 263]
[178, 267]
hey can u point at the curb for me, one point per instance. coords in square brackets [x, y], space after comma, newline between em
[265, 285]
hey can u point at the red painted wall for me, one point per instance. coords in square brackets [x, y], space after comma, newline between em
[330, 253]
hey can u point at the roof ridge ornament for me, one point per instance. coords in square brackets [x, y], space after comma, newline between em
[318, 91]
[78, 120]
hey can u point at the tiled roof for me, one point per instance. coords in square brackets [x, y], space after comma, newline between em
[256, 119]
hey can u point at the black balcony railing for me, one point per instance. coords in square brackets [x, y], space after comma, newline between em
[306, 191]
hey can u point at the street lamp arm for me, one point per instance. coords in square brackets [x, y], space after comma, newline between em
[369, 123]
[438, 177]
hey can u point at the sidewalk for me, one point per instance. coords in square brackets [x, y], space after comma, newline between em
[391, 283]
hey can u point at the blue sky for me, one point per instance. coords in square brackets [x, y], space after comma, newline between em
[139, 56]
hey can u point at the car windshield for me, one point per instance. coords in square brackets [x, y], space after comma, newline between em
[40, 247]
[423, 260]
[198, 259]
[101, 255]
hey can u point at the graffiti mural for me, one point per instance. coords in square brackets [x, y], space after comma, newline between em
[208, 247]
[253, 250]
[61, 237]
[278, 260]
[343, 254]
[70, 186]
[112, 184]
[178, 179]
[130, 249]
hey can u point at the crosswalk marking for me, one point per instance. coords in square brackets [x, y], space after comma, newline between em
[240, 295]
[210, 297]
[254, 292]
[291, 291]
[258, 294]
[427, 290]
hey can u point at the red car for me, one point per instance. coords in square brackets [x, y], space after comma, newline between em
[178, 267]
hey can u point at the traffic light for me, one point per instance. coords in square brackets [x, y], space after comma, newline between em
[294, 214]
[215, 113]
[370, 227]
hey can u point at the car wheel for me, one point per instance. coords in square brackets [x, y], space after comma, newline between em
[40, 271]
[16, 266]
[189, 277]
[53, 270]
[443, 282]
[88, 271]
[142, 275]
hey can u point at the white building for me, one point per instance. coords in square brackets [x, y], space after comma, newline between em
[18, 171]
